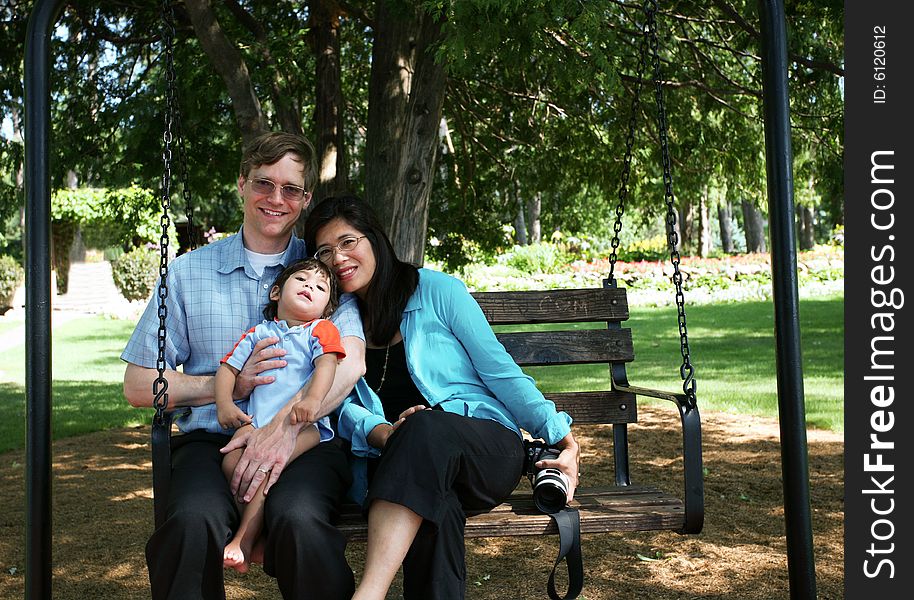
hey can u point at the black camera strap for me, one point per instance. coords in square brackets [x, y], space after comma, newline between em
[568, 522]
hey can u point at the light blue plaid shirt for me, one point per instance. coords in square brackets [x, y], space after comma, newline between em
[213, 297]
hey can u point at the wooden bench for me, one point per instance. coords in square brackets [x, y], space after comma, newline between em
[621, 507]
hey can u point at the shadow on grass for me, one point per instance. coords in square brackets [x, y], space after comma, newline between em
[741, 553]
[103, 516]
[78, 407]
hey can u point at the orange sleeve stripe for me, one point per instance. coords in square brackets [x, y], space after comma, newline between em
[329, 337]
[232, 351]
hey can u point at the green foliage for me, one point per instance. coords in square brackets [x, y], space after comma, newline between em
[135, 273]
[537, 103]
[124, 217]
[11, 277]
[536, 258]
[654, 248]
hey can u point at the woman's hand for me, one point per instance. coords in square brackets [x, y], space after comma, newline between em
[261, 359]
[409, 411]
[266, 452]
[381, 433]
[568, 462]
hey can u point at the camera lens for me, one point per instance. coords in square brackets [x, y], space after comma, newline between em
[550, 490]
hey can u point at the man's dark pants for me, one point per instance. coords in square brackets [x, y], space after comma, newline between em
[304, 551]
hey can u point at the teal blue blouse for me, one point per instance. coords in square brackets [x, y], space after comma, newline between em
[459, 366]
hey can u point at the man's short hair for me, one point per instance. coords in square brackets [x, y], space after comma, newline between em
[269, 148]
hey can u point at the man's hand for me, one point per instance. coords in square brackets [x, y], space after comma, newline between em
[264, 356]
[266, 452]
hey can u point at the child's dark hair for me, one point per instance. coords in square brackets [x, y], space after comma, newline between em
[305, 264]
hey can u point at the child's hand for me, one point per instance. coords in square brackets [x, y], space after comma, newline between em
[305, 411]
[231, 417]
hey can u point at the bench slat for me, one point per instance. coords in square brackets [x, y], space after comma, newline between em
[531, 348]
[589, 408]
[602, 510]
[554, 306]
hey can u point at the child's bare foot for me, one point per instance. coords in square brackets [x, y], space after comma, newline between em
[233, 557]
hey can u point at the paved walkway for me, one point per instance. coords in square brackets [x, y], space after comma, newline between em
[91, 292]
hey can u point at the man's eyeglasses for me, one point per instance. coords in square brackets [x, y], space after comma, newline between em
[346, 245]
[265, 187]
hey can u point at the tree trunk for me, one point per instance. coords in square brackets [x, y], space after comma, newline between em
[333, 175]
[807, 227]
[520, 220]
[533, 216]
[286, 106]
[406, 92]
[754, 226]
[726, 229]
[62, 234]
[228, 62]
[704, 225]
[687, 228]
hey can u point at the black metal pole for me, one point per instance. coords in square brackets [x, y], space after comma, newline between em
[38, 299]
[779, 166]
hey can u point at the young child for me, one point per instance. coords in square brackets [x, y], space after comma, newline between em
[303, 295]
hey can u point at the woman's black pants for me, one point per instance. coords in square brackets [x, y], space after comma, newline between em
[441, 466]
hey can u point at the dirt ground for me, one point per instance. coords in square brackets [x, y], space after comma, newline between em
[103, 516]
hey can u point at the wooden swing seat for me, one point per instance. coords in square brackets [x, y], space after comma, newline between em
[620, 507]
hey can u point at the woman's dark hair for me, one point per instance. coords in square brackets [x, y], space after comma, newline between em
[393, 282]
[305, 264]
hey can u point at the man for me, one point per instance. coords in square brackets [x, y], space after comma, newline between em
[214, 293]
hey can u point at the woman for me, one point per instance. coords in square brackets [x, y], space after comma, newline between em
[442, 404]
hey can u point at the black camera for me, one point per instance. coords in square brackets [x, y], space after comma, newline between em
[550, 486]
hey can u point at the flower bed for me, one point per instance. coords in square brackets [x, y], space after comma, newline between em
[706, 280]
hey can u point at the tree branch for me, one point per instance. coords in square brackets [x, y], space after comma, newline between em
[229, 63]
[810, 63]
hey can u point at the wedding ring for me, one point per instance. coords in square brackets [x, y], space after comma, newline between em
[262, 470]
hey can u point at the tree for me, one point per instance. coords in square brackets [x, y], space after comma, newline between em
[452, 116]
[405, 95]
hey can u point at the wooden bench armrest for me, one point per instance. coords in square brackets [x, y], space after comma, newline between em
[693, 474]
[640, 391]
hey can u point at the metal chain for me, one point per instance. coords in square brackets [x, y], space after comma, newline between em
[687, 371]
[627, 162]
[160, 385]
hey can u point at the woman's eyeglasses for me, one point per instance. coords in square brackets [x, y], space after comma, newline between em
[265, 187]
[346, 245]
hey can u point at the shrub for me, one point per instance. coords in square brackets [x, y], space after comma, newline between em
[112, 253]
[536, 258]
[654, 248]
[135, 273]
[11, 277]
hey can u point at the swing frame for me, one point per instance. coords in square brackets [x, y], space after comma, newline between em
[784, 281]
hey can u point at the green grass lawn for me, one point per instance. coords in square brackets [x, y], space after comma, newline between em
[732, 348]
[87, 387]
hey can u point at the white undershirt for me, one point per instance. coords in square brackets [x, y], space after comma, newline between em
[259, 261]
